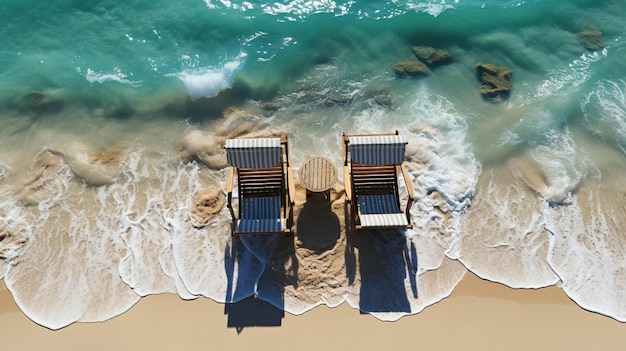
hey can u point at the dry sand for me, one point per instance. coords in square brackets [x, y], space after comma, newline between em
[478, 316]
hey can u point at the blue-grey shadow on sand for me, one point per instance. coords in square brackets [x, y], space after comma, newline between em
[384, 261]
[244, 270]
[253, 312]
[318, 226]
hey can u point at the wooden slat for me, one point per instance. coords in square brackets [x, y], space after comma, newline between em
[317, 174]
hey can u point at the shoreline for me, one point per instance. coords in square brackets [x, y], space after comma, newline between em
[478, 315]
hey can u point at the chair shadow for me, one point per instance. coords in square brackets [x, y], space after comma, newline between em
[318, 226]
[384, 261]
[410, 258]
[253, 310]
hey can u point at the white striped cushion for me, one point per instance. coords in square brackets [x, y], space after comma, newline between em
[384, 220]
[377, 150]
[260, 225]
[253, 153]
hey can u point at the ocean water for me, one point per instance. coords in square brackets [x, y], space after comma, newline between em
[113, 117]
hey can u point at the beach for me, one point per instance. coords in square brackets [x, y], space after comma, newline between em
[479, 315]
[113, 172]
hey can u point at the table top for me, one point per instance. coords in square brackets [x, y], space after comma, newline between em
[317, 174]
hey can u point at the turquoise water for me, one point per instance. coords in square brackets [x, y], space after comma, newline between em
[112, 116]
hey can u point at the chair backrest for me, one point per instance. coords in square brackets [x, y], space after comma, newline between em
[254, 153]
[377, 150]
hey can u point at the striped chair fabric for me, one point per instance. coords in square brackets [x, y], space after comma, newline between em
[383, 220]
[378, 203]
[260, 215]
[260, 225]
[377, 150]
[380, 210]
[260, 207]
[253, 153]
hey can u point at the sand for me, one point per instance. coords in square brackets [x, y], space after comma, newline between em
[479, 315]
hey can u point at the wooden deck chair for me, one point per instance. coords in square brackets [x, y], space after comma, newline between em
[265, 185]
[372, 165]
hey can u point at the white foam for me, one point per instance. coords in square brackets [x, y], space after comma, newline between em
[605, 108]
[588, 250]
[433, 8]
[80, 281]
[444, 173]
[209, 81]
[100, 77]
[214, 265]
[502, 235]
[4, 268]
[3, 171]
[562, 166]
[17, 237]
[505, 238]
[389, 294]
[564, 81]
[150, 217]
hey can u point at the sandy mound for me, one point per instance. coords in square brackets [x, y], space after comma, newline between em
[207, 147]
[11, 245]
[206, 204]
[38, 185]
[94, 167]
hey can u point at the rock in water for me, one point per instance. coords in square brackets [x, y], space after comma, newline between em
[381, 97]
[432, 56]
[410, 68]
[496, 81]
[591, 39]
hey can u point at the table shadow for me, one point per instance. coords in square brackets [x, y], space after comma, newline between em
[318, 227]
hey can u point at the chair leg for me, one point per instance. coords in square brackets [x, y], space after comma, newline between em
[349, 216]
[233, 228]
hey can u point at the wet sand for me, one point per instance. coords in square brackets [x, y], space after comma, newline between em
[478, 315]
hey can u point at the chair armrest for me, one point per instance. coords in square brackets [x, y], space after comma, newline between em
[291, 186]
[229, 190]
[409, 188]
[347, 183]
[407, 181]
[229, 182]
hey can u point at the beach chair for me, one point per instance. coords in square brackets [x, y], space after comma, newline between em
[265, 185]
[372, 166]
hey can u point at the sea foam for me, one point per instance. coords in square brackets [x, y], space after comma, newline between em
[588, 252]
[208, 82]
[604, 109]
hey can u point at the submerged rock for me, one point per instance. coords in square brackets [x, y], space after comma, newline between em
[380, 97]
[432, 56]
[591, 39]
[496, 81]
[332, 100]
[270, 106]
[39, 103]
[302, 88]
[205, 205]
[410, 68]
